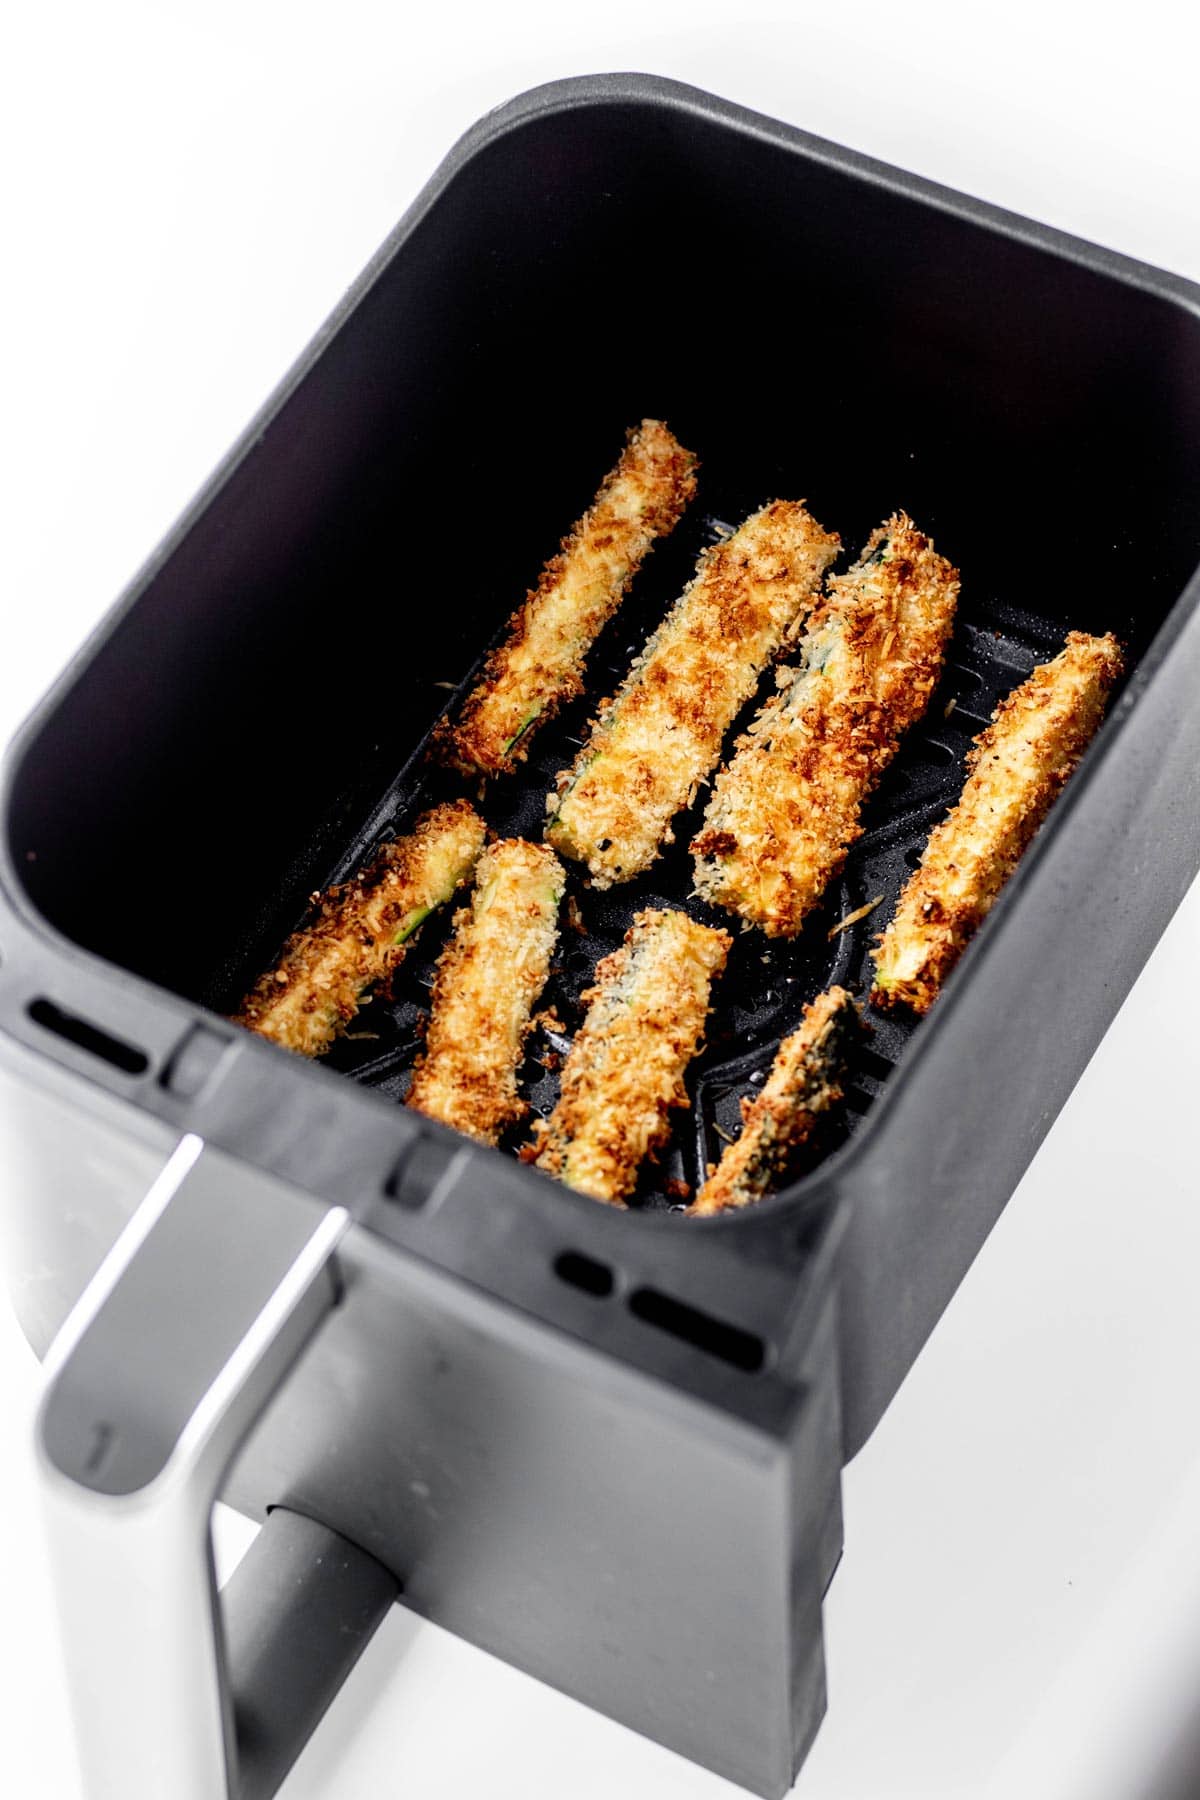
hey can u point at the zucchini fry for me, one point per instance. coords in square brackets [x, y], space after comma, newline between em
[652, 745]
[786, 808]
[805, 1081]
[624, 1074]
[488, 977]
[1017, 766]
[361, 932]
[539, 665]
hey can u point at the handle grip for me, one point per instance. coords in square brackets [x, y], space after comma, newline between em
[189, 1326]
[298, 1611]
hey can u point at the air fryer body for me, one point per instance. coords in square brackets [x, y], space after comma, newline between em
[545, 1415]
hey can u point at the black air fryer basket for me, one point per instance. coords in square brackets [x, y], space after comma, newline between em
[604, 1445]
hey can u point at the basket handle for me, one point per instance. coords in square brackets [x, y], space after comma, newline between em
[186, 1331]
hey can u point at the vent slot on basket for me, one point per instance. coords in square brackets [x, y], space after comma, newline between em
[741, 1349]
[86, 1036]
[585, 1273]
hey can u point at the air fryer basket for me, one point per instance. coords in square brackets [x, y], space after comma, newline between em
[250, 723]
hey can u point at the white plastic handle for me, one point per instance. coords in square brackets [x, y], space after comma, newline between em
[187, 1329]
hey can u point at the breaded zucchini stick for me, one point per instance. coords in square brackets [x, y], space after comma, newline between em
[1017, 765]
[539, 665]
[488, 977]
[804, 1082]
[361, 932]
[786, 808]
[624, 1073]
[660, 736]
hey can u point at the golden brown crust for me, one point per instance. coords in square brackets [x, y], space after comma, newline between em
[488, 978]
[659, 737]
[538, 667]
[624, 1075]
[787, 807]
[804, 1083]
[352, 944]
[1018, 765]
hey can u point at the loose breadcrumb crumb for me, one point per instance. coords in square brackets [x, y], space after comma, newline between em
[852, 918]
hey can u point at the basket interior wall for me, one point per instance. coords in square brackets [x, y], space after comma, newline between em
[249, 726]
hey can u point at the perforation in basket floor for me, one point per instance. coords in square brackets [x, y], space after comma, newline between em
[759, 998]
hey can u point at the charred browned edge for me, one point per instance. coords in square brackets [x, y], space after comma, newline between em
[464, 744]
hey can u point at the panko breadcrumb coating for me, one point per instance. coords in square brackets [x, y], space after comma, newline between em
[786, 808]
[652, 745]
[624, 1075]
[1017, 766]
[804, 1083]
[539, 665]
[361, 932]
[488, 978]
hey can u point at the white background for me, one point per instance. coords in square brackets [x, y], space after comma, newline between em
[188, 190]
